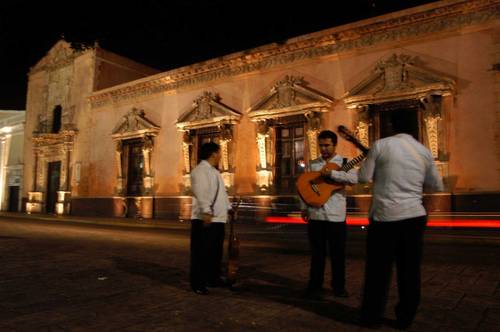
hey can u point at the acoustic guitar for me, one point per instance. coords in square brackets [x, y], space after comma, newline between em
[233, 248]
[314, 189]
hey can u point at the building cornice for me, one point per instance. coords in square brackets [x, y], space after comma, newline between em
[444, 16]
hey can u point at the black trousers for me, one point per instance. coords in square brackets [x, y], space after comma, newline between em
[207, 244]
[322, 235]
[389, 242]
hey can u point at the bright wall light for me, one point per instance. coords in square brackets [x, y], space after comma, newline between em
[6, 130]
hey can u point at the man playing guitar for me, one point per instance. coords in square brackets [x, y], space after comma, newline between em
[326, 224]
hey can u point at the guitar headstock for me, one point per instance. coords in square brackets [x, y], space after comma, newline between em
[349, 136]
[346, 134]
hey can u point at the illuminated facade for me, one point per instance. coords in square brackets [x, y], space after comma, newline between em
[11, 159]
[128, 137]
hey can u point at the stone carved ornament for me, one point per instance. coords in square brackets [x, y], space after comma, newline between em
[135, 124]
[286, 95]
[202, 104]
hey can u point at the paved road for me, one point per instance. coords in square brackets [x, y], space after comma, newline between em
[64, 276]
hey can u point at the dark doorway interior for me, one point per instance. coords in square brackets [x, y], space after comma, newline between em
[205, 135]
[135, 166]
[13, 198]
[290, 156]
[54, 174]
[412, 119]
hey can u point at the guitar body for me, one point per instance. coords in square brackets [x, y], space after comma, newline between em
[316, 190]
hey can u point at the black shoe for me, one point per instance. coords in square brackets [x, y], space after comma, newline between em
[341, 293]
[201, 291]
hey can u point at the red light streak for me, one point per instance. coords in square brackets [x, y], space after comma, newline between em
[357, 221]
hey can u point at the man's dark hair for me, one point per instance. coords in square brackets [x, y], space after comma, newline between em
[207, 149]
[328, 134]
[401, 123]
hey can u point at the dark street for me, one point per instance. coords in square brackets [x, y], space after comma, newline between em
[61, 275]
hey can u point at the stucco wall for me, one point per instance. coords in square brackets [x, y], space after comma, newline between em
[466, 57]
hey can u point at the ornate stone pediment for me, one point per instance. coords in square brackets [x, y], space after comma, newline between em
[397, 78]
[207, 111]
[135, 124]
[290, 96]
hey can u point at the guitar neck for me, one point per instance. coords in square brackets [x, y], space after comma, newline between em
[353, 162]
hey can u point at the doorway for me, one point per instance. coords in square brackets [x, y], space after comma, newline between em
[53, 179]
[411, 117]
[134, 166]
[290, 156]
[13, 199]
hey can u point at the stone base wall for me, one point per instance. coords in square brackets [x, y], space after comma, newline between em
[257, 208]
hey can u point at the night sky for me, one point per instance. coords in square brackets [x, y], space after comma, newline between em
[162, 34]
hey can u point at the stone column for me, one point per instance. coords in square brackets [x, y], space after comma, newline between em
[119, 171]
[35, 197]
[4, 155]
[226, 166]
[431, 126]
[313, 129]
[64, 194]
[64, 167]
[147, 150]
[363, 126]
[264, 172]
[68, 166]
[186, 154]
[432, 115]
[35, 168]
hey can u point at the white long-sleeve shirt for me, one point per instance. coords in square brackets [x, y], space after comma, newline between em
[209, 192]
[400, 167]
[334, 209]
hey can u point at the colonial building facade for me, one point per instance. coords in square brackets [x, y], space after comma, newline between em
[107, 136]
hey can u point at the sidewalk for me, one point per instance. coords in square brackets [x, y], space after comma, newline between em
[131, 222]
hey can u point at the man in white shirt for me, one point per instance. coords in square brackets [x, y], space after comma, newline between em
[399, 167]
[326, 225]
[208, 217]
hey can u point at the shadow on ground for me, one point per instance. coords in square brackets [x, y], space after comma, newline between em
[273, 287]
[169, 275]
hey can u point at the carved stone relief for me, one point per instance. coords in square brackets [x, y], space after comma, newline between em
[313, 129]
[203, 107]
[186, 151]
[225, 140]
[363, 126]
[395, 73]
[286, 95]
[432, 117]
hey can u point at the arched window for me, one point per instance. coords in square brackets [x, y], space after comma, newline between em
[56, 120]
